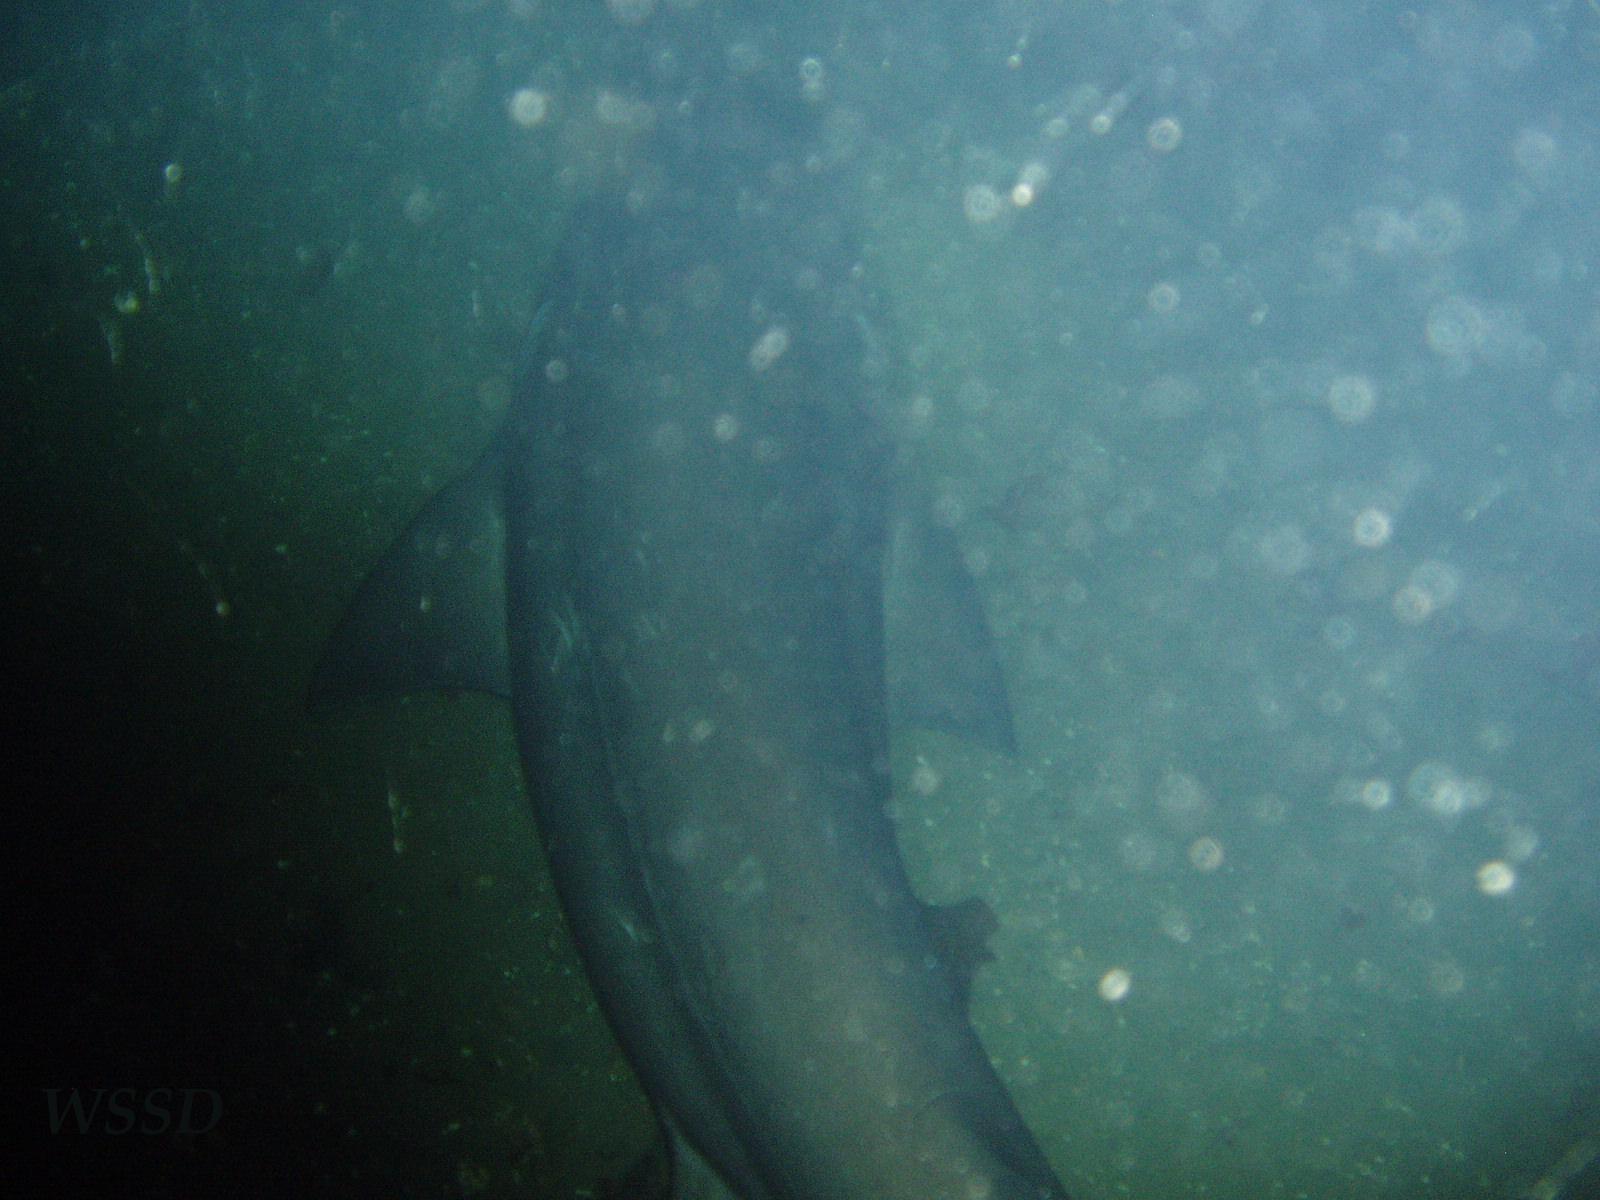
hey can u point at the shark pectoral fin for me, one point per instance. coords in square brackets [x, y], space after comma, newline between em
[693, 1177]
[672, 1169]
[960, 934]
[648, 1177]
[943, 671]
[432, 614]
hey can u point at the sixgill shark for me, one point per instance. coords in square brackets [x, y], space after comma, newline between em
[682, 564]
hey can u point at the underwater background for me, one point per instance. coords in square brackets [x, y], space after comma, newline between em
[1252, 351]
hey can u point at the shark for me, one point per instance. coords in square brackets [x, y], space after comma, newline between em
[686, 562]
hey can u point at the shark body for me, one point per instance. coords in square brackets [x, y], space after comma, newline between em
[674, 562]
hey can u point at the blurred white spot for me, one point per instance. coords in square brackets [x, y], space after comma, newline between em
[1496, 877]
[1164, 135]
[1205, 854]
[529, 107]
[1114, 985]
[631, 12]
[981, 203]
[1371, 529]
[769, 348]
[1351, 399]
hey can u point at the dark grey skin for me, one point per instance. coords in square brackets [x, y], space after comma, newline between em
[674, 563]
